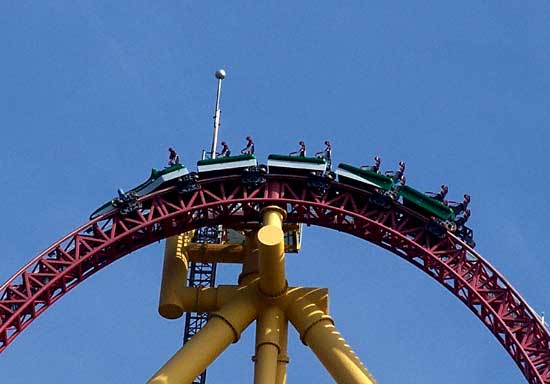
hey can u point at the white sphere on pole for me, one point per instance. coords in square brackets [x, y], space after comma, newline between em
[220, 74]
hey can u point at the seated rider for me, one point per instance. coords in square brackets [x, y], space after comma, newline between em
[226, 152]
[397, 175]
[461, 207]
[326, 153]
[461, 220]
[249, 149]
[173, 157]
[373, 168]
[300, 152]
[440, 196]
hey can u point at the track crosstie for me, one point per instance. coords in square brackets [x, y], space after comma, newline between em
[225, 200]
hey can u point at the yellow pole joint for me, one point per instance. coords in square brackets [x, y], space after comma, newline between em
[239, 312]
[272, 252]
[174, 275]
[207, 299]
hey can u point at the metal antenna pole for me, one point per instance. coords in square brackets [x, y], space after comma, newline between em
[220, 75]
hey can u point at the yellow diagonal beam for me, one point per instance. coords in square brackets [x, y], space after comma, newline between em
[318, 332]
[223, 328]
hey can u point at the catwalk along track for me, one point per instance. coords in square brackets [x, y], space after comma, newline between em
[226, 200]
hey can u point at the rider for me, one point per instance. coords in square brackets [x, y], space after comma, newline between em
[226, 152]
[326, 153]
[173, 157]
[400, 172]
[442, 193]
[461, 207]
[375, 167]
[460, 221]
[300, 152]
[249, 149]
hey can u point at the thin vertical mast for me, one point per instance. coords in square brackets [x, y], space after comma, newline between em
[220, 75]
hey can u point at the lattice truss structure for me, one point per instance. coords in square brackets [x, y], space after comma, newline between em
[201, 275]
[226, 201]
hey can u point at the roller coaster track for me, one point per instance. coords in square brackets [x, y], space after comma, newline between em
[227, 201]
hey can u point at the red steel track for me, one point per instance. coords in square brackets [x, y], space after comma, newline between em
[95, 245]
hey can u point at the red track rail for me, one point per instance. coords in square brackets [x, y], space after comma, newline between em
[88, 249]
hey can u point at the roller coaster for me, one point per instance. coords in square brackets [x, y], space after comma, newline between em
[234, 210]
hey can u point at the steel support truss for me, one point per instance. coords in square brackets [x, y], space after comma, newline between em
[201, 275]
[226, 201]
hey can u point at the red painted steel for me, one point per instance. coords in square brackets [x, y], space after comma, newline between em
[88, 249]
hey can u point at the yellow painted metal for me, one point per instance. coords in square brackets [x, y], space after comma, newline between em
[262, 294]
[174, 275]
[317, 331]
[282, 358]
[207, 299]
[223, 328]
[216, 253]
[273, 215]
[268, 330]
[272, 255]
[251, 267]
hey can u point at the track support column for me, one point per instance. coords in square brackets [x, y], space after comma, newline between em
[318, 332]
[268, 330]
[174, 275]
[272, 252]
[223, 328]
[282, 359]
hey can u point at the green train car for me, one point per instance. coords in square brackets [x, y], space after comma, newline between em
[442, 215]
[299, 165]
[158, 178]
[225, 165]
[383, 187]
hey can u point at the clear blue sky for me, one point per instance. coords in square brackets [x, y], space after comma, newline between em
[93, 92]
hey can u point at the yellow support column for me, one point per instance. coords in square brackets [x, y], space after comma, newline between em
[272, 252]
[317, 331]
[174, 275]
[250, 269]
[223, 328]
[268, 330]
[282, 359]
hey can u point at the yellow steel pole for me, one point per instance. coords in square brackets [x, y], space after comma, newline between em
[272, 252]
[174, 275]
[282, 359]
[250, 269]
[317, 331]
[268, 329]
[223, 328]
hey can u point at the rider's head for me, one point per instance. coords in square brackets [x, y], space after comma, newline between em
[377, 159]
[248, 138]
[327, 142]
[302, 143]
[224, 143]
[466, 198]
